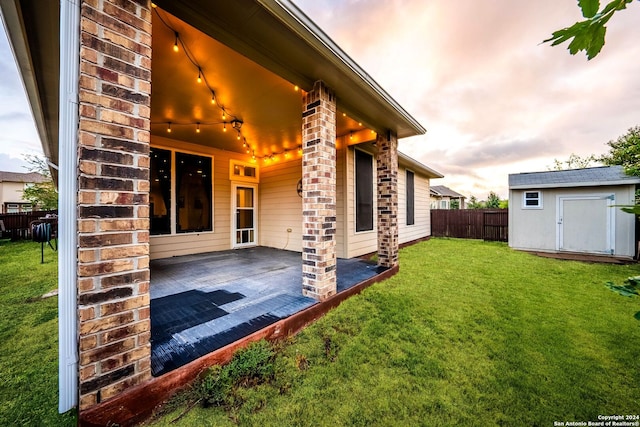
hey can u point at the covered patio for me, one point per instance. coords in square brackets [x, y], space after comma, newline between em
[201, 303]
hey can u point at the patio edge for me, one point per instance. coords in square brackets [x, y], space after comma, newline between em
[138, 403]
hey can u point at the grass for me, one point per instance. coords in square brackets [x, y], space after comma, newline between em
[28, 337]
[468, 333]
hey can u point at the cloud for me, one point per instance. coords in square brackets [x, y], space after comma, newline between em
[494, 99]
[12, 164]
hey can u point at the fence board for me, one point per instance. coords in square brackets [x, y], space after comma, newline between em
[16, 225]
[471, 224]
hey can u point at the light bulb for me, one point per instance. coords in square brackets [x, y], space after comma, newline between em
[175, 45]
[197, 127]
[213, 98]
[169, 127]
[199, 76]
[224, 129]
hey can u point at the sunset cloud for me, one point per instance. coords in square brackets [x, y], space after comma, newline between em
[494, 99]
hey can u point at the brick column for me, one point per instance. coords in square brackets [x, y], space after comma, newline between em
[113, 198]
[387, 160]
[319, 193]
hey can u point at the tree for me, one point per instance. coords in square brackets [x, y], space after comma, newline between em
[588, 35]
[504, 204]
[455, 204]
[474, 203]
[625, 151]
[573, 162]
[493, 201]
[41, 194]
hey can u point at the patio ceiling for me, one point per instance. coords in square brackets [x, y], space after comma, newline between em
[269, 106]
[243, 46]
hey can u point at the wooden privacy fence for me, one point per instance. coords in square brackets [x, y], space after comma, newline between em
[485, 224]
[17, 225]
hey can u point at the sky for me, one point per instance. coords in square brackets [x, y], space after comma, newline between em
[493, 99]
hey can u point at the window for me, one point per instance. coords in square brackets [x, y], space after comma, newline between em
[410, 198]
[443, 204]
[241, 171]
[193, 193]
[189, 179]
[532, 200]
[364, 191]
[160, 195]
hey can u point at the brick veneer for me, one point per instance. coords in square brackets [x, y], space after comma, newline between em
[319, 193]
[387, 166]
[113, 197]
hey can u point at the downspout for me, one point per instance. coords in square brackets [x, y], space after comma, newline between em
[67, 214]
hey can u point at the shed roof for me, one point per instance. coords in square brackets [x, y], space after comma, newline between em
[441, 190]
[587, 177]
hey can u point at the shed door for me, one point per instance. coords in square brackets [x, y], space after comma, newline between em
[586, 224]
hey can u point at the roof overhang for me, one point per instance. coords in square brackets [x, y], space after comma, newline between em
[277, 35]
[32, 27]
[416, 166]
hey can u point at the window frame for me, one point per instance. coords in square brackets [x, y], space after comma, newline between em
[173, 215]
[233, 177]
[538, 199]
[413, 197]
[356, 153]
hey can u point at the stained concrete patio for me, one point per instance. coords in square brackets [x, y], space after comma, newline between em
[200, 303]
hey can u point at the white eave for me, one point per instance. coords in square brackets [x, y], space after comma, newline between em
[416, 166]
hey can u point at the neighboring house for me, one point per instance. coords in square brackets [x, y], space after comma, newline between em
[12, 184]
[442, 196]
[573, 211]
[267, 133]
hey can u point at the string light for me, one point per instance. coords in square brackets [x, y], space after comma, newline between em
[224, 129]
[169, 127]
[296, 88]
[238, 135]
[213, 98]
[199, 75]
[198, 127]
[175, 45]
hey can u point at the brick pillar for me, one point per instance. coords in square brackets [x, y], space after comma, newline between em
[113, 198]
[319, 193]
[387, 160]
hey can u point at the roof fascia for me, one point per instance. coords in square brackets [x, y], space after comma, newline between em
[413, 163]
[311, 33]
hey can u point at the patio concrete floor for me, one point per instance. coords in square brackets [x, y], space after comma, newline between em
[203, 302]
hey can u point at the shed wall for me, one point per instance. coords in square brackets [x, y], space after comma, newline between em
[536, 229]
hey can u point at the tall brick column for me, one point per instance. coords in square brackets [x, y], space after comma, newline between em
[387, 160]
[319, 193]
[113, 198]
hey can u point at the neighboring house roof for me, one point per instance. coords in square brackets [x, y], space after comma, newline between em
[415, 165]
[28, 177]
[587, 177]
[441, 190]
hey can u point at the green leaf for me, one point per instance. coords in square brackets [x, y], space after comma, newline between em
[589, 7]
[597, 41]
[637, 315]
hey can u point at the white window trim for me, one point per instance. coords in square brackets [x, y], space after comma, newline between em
[375, 199]
[406, 211]
[524, 199]
[174, 191]
[232, 177]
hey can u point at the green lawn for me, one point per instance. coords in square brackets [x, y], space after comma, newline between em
[28, 337]
[468, 333]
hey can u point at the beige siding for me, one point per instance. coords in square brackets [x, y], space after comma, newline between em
[341, 178]
[280, 206]
[422, 226]
[220, 239]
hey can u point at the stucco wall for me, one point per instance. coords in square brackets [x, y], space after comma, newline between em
[536, 229]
